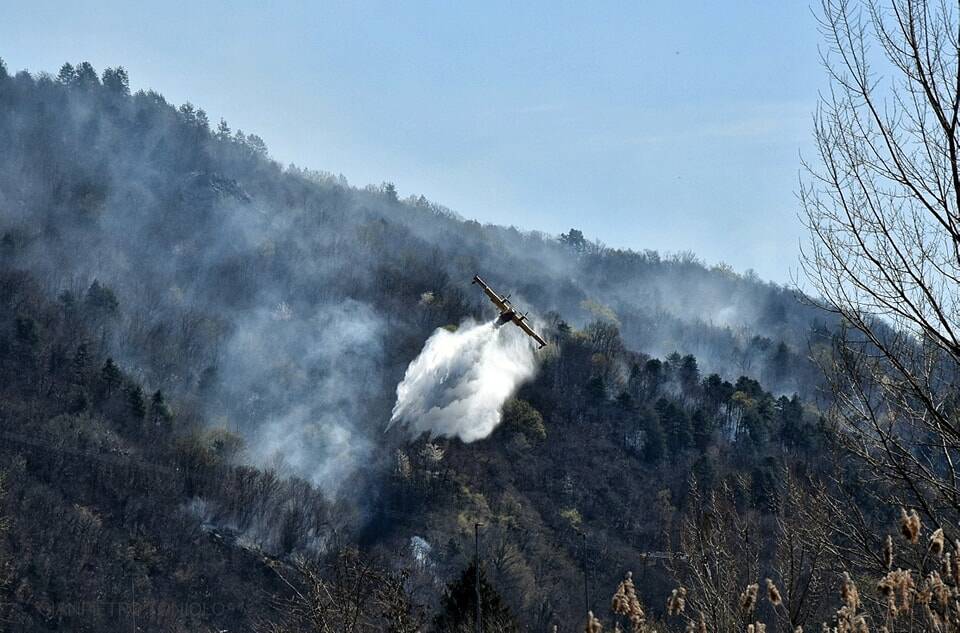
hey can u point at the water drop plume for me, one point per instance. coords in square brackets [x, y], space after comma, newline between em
[458, 384]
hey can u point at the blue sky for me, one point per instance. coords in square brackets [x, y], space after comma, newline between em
[670, 125]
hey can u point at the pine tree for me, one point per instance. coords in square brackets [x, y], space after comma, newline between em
[85, 75]
[159, 411]
[28, 334]
[653, 377]
[596, 391]
[100, 300]
[257, 145]
[135, 402]
[676, 425]
[109, 377]
[67, 74]
[791, 420]
[653, 445]
[223, 131]
[390, 192]
[779, 363]
[117, 81]
[459, 606]
[574, 240]
[702, 429]
[688, 374]
[81, 358]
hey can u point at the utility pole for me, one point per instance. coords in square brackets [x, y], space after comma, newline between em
[476, 568]
[133, 599]
[586, 579]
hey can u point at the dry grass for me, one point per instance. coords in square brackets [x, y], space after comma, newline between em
[924, 596]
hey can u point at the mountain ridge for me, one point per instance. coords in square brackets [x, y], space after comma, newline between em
[274, 310]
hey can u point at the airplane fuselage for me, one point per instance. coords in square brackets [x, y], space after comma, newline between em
[508, 313]
[506, 316]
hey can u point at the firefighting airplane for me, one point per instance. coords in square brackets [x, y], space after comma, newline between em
[508, 312]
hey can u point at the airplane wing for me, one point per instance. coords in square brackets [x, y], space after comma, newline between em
[497, 300]
[522, 323]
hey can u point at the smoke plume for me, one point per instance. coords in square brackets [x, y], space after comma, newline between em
[456, 387]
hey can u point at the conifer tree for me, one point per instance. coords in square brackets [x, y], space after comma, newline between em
[459, 606]
[135, 402]
[110, 377]
[159, 411]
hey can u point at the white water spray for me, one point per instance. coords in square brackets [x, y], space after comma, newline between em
[456, 387]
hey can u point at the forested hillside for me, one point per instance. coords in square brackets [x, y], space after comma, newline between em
[200, 350]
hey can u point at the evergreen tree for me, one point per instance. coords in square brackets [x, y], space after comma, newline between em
[203, 122]
[676, 425]
[81, 358]
[159, 411]
[635, 380]
[750, 387]
[653, 377]
[57, 359]
[67, 74]
[68, 300]
[390, 192]
[716, 392]
[672, 365]
[135, 402]
[653, 441]
[521, 415]
[86, 76]
[109, 377]
[705, 470]
[625, 403]
[259, 147]
[763, 486]
[779, 363]
[223, 131]
[596, 391]
[574, 240]
[117, 81]
[791, 422]
[78, 401]
[688, 374]
[28, 333]
[756, 426]
[459, 606]
[702, 429]
[100, 300]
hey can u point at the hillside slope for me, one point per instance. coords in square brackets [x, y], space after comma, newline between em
[283, 305]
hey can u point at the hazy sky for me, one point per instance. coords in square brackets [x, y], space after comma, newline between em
[669, 125]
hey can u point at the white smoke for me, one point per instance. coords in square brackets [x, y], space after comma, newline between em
[305, 377]
[456, 387]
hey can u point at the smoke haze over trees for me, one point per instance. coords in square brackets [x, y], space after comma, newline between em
[200, 351]
[249, 281]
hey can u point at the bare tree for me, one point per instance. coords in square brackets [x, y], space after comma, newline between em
[720, 547]
[882, 205]
[349, 593]
[805, 559]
